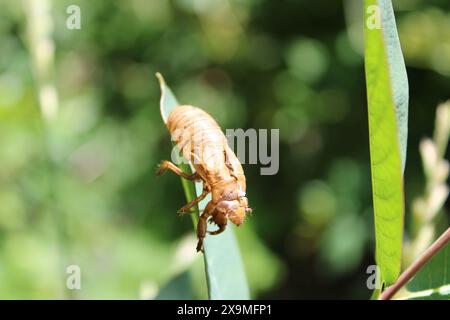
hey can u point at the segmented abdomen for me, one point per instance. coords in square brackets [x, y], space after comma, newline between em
[202, 142]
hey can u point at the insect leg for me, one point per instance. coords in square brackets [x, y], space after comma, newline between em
[218, 231]
[221, 220]
[201, 226]
[167, 165]
[187, 207]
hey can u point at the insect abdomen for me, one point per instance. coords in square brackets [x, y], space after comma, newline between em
[203, 143]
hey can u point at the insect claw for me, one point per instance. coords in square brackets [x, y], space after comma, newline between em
[182, 211]
[200, 246]
[159, 170]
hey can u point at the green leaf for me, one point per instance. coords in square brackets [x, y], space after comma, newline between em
[224, 268]
[387, 95]
[432, 282]
[178, 288]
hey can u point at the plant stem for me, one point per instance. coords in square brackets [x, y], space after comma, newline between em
[42, 53]
[416, 265]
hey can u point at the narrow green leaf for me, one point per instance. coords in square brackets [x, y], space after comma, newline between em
[375, 294]
[387, 95]
[167, 103]
[178, 288]
[432, 282]
[224, 268]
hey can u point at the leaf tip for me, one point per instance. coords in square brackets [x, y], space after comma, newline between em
[162, 85]
[160, 78]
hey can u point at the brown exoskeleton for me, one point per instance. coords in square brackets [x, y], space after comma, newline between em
[203, 143]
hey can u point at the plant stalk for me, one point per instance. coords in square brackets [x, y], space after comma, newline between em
[440, 243]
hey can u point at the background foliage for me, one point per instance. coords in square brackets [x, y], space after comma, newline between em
[251, 63]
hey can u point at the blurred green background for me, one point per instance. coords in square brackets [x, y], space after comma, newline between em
[80, 189]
